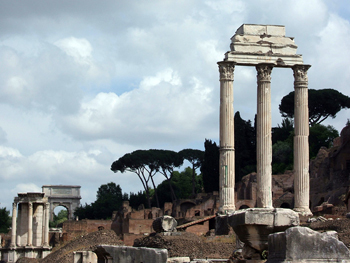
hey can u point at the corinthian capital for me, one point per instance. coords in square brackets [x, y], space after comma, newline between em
[300, 72]
[264, 72]
[226, 70]
[14, 205]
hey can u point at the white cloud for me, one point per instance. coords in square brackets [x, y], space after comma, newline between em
[161, 108]
[25, 188]
[79, 49]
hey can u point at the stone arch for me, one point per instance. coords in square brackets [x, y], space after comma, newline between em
[243, 207]
[67, 196]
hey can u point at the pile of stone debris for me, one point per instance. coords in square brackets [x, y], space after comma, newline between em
[181, 244]
[341, 226]
[87, 242]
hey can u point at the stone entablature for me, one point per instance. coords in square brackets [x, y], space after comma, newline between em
[255, 44]
[65, 191]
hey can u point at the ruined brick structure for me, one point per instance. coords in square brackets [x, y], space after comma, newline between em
[330, 174]
[282, 191]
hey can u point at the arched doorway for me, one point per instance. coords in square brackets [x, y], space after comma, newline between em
[59, 215]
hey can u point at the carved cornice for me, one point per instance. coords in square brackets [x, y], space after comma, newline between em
[226, 71]
[300, 73]
[264, 72]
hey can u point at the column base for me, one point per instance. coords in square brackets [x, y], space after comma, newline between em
[303, 211]
[224, 210]
[12, 246]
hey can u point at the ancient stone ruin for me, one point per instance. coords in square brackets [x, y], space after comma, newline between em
[67, 196]
[31, 213]
[265, 47]
[30, 228]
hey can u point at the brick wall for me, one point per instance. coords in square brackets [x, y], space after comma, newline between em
[72, 228]
[138, 226]
[199, 229]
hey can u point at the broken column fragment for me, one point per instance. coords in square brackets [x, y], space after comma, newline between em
[254, 225]
[302, 244]
[164, 224]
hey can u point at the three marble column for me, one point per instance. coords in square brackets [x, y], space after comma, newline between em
[264, 142]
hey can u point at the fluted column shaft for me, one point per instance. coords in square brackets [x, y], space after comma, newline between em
[30, 224]
[301, 140]
[227, 139]
[263, 139]
[46, 223]
[14, 225]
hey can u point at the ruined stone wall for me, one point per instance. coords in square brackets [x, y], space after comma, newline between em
[168, 208]
[72, 228]
[203, 205]
[139, 226]
[329, 174]
[199, 229]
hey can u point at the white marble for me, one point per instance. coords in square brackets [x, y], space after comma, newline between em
[227, 139]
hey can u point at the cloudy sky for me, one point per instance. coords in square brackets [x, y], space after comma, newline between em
[84, 82]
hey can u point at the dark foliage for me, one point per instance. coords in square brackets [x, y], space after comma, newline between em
[5, 220]
[109, 198]
[195, 157]
[245, 147]
[210, 167]
[323, 103]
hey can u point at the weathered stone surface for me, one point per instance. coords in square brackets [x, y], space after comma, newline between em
[179, 260]
[84, 257]
[164, 224]
[255, 44]
[301, 244]
[271, 30]
[253, 225]
[63, 195]
[136, 254]
[227, 139]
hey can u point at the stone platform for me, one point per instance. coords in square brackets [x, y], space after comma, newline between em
[254, 225]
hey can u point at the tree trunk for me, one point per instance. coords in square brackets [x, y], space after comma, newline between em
[155, 191]
[148, 198]
[193, 182]
[172, 193]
